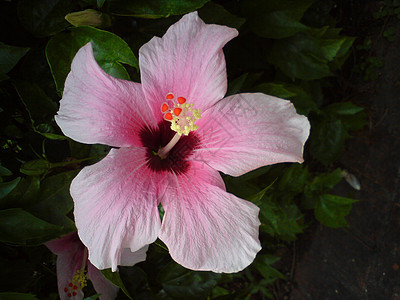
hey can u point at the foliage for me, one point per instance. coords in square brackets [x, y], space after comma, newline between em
[284, 49]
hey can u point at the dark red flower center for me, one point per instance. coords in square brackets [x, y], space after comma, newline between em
[176, 161]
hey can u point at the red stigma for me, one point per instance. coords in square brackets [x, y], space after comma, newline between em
[177, 111]
[170, 96]
[168, 116]
[70, 284]
[66, 289]
[74, 293]
[69, 295]
[181, 100]
[164, 107]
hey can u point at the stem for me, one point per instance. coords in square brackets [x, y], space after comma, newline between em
[163, 152]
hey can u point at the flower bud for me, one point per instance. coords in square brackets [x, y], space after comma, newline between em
[89, 17]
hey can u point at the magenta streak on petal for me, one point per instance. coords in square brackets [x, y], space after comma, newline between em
[176, 161]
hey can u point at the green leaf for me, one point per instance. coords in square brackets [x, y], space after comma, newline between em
[294, 179]
[54, 201]
[263, 265]
[136, 283]
[213, 13]
[21, 228]
[351, 115]
[94, 297]
[24, 194]
[53, 136]
[100, 3]
[116, 280]
[256, 199]
[307, 54]
[10, 56]
[280, 219]
[343, 109]
[325, 182]
[109, 50]
[235, 86]
[7, 187]
[327, 139]
[181, 283]
[331, 210]
[44, 18]
[275, 19]
[17, 296]
[40, 107]
[280, 90]
[153, 9]
[301, 99]
[35, 167]
[4, 171]
[16, 274]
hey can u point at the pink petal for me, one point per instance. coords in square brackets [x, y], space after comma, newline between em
[129, 258]
[98, 108]
[104, 287]
[69, 260]
[246, 131]
[206, 228]
[116, 206]
[187, 61]
[63, 244]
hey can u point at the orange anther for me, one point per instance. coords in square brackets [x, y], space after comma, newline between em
[74, 293]
[181, 100]
[168, 116]
[170, 96]
[164, 107]
[177, 111]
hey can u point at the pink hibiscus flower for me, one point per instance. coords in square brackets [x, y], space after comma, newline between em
[72, 261]
[174, 134]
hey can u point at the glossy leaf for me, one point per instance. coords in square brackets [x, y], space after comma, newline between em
[280, 219]
[4, 171]
[110, 52]
[181, 283]
[152, 9]
[275, 19]
[301, 99]
[100, 3]
[44, 18]
[23, 195]
[327, 139]
[306, 55]
[9, 57]
[35, 167]
[294, 179]
[7, 187]
[54, 201]
[17, 296]
[116, 280]
[326, 181]
[331, 210]
[352, 116]
[39, 107]
[213, 13]
[263, 265]
[21, 228]
[136, 283]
